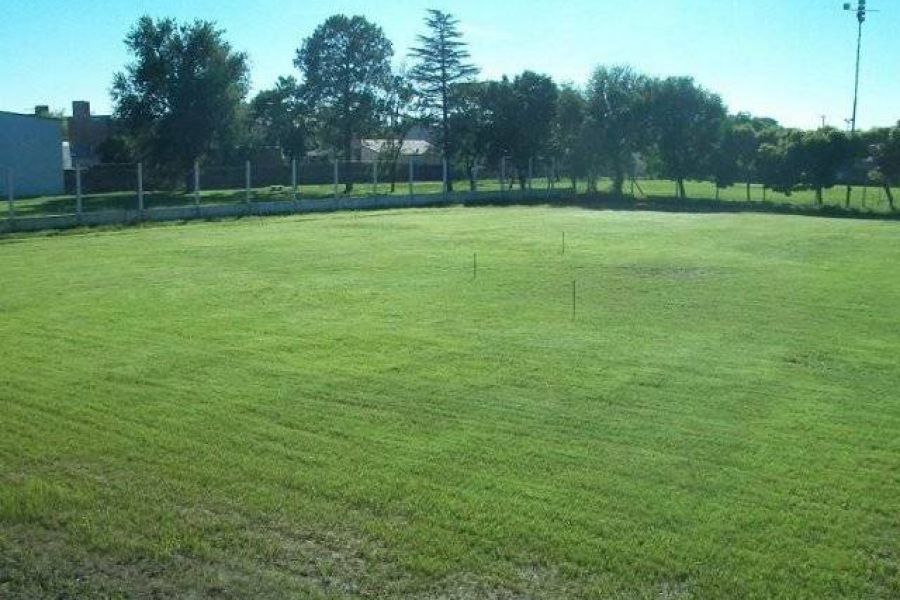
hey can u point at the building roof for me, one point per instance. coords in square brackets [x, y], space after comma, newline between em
[409, 147]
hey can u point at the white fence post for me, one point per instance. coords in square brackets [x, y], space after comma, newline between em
[79, 202]
[140, 182]
[197, 182]
[375, 176]
[530, 172]
[10, 192]
[337, 177]
[294, 177]
[247, 181]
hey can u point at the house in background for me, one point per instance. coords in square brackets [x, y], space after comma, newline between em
[31, 146]
[417, 144]
[370, 150]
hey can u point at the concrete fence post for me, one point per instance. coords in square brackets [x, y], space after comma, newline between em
[247, 182]
[530, 172]
[140, 182]
[375, 176]
[10, 192]
[197, 182]
[79, 202]
[337, 179]
[294, 178]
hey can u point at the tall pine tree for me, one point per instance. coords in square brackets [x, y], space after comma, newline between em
[441, 63]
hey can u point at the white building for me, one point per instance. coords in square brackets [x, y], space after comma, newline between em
[31, 150]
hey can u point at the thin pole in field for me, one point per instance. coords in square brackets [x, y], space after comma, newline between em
[197, 182]
[475, 265]
[140, 182]
[563, 242]
[78, 198]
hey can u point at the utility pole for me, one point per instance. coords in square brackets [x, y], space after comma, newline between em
[861, 13]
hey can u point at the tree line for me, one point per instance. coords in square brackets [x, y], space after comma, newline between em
[184, 96]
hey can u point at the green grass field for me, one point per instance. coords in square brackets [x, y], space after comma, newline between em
[334, 406]
[871, 199]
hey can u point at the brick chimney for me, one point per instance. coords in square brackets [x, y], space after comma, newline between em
[81, 110]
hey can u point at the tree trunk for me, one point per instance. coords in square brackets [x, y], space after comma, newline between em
[890, 195]
[819, 196]
[618, 183]
[718, 190]
[681, 191]
[748, 191]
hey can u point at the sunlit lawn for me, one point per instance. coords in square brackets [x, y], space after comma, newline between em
[339, 406]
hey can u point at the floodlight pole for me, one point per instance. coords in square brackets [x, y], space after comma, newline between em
[860, 18]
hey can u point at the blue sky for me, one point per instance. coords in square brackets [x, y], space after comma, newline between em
[789, 59]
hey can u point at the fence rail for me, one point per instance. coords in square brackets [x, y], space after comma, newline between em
[128, 193]
[124, 193]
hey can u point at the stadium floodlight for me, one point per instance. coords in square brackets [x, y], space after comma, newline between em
[861, 12]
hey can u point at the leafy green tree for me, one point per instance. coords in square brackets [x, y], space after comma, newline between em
[746, 143]
[441, 63]
[686, 122]
[885, 154]
[617, 118]
[822, 154]
[779, 161]
[536, 96]
[181, 95]
[470, 123]
[279, 117]
[397, 119]
[725, 160]
[115, 150]
[345, 67]
[569, 135]
[520, 116]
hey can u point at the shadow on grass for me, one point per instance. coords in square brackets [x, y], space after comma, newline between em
[605, 201]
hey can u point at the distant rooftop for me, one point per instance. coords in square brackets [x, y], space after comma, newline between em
[409, 147]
